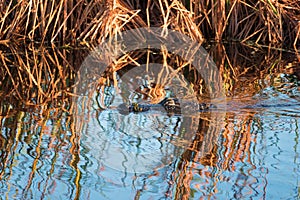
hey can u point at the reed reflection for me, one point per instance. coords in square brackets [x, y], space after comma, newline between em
[232, 153]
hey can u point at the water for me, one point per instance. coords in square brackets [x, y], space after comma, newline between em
[242, 150]
[242, 156]
[254, 156]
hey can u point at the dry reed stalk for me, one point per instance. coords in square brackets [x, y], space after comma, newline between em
[112, 21]
[219, 18]
[262, 21]
[43, 20]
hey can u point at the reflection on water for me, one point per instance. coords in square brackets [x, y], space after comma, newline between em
[133, 143]
[248, 151]
[252, 157]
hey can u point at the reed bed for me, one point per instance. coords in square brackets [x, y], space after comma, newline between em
[69, 22]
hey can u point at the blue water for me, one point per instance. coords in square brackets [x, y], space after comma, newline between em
[225, 154]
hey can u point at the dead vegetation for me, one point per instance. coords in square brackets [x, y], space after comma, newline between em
[274, 22]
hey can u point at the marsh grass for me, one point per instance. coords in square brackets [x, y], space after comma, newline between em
[69, 22]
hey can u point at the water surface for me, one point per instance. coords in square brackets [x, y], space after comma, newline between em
[244, 150]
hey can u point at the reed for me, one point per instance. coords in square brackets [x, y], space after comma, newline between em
[70, 22]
